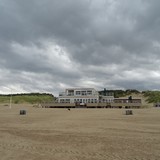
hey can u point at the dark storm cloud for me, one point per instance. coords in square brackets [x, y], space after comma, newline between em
[52, 44]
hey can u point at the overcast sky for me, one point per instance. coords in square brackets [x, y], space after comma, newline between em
[50, 45]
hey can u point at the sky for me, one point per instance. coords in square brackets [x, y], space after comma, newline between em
[51, 45]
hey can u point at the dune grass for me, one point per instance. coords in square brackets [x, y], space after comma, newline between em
[26, 98]
[152, 96]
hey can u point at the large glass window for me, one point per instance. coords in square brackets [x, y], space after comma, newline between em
[78, 93]
[89, 92]
[83, 92]
[61, 100]
[70, 92]
[67, 100]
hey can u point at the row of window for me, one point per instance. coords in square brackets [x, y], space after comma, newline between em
[86, 100]
[83, 92]
[94, 101]
[106, 100]
[64, 100]
[79, 100]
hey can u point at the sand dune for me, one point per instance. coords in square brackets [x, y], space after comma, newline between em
[79, 134]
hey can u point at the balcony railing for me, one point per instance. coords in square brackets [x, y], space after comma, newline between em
[62, 94]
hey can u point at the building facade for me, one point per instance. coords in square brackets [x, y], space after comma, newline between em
[79, 95]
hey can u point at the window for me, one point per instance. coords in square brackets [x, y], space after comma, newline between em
[78, 93]
[89, 92]
[70, 92]
[67, 100]
[61, 100]
[83, 92]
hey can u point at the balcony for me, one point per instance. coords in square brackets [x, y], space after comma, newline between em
[65, 94]
[62, 94]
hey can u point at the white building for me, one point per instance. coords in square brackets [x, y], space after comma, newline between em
[81, 95]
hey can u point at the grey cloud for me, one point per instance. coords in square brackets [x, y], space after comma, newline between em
[101, 40]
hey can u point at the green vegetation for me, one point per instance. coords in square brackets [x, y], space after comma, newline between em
[152, 96]
[118, 93]
[31, 98]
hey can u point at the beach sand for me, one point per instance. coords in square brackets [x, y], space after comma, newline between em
[79, 134]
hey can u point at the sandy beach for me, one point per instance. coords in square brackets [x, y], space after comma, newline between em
[79, 134]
